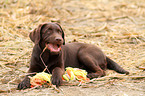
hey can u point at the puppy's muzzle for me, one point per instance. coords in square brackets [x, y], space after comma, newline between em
[55, 46]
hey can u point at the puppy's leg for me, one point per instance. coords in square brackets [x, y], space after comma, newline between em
[91, 65]
[31, 72]
[24, 84]
[57, 76]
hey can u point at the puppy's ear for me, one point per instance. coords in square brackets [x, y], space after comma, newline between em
[35, 34]
[63, 35]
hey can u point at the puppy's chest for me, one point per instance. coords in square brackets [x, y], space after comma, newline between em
[51, 61]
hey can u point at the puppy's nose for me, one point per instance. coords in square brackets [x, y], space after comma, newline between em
[58, 39]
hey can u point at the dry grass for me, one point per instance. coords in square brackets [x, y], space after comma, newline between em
[116, 26]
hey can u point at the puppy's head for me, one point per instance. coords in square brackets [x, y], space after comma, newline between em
[50, 35]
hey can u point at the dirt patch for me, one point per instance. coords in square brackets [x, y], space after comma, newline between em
[116, 26]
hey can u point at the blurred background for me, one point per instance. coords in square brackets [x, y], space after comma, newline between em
[116, 26]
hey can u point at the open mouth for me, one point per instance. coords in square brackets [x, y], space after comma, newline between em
[54, 47]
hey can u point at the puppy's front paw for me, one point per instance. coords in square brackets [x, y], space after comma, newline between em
[56, 81]
[24, 84]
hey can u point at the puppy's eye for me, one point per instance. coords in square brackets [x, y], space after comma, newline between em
[59, 31]
[49, 30]
[47, 42]
[46, 31]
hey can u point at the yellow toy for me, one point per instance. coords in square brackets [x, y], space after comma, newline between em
[75, 74]
[40, 79]
[70, 74]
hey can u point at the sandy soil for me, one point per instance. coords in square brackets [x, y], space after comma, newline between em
[116, 26]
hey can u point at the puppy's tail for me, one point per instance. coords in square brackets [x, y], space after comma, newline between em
[114, 66]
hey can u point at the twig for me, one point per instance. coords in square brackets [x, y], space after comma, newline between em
[10, 90]
[56, 89]
[116, 77]
[136, 77]
[99, 85]
[43, 61]
[70, 83]
[102, 27]
[141, 68]
[123, 17]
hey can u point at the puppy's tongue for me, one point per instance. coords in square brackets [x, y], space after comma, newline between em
[53, 47]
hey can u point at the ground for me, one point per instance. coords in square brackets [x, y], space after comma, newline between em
[116, 26]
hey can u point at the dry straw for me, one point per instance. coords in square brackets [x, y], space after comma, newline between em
[117, 27]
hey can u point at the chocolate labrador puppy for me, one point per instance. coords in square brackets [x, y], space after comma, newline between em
[58, 55]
